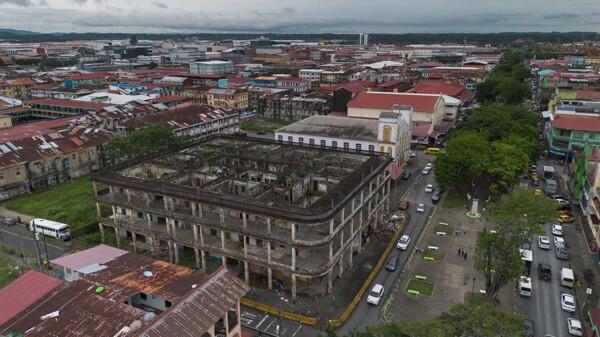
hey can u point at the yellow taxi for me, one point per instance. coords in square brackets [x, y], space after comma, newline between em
[565, 218]
[533, 175]
[537, 192]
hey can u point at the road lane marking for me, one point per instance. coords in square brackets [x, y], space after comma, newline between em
[31, 239]
[268, 326]
[261, 322]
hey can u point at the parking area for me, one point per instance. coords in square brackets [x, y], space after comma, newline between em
[263, 324]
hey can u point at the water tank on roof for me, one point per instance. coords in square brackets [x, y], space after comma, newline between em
[135, 325]
[148, 317]
[59, 275]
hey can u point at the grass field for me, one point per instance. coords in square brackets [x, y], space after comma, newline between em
[71, 203]
[478, 299]
[423, 287]
[9, 272]
[449, 230]
[435, 254]
[454, 201]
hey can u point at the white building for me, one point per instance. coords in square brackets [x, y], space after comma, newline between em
[312, 75]
[211, 67]
[390, 133]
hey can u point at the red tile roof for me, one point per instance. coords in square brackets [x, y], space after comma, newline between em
[169, 99]
[432, 86]
[386, 101]
[67, 103]
[577, 124]
[33, 129]
[22, 81]
[420, 129]
[99, 254]
[23, 292]
[588, 95]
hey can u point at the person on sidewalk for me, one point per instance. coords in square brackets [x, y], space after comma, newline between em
[465, 255]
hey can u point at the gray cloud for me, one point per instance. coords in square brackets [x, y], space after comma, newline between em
[289, 10]
[21, 3]
[159, 4]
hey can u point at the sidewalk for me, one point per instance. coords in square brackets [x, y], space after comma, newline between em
[25, 218]
[454, 277]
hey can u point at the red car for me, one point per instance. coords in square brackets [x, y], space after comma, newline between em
[403, 206]
[565, 212]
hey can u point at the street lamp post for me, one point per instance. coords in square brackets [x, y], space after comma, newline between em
[473, 291]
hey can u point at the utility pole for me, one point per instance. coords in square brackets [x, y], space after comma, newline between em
[46, 250]
[36, 237]
[22, 250]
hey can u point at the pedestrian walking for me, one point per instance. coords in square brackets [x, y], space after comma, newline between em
[465, 255]
[18, 219]
[459, 252]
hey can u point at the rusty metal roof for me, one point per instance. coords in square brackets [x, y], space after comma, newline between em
[201, 309]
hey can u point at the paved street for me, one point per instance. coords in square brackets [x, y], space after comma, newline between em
[366, 315]
[12, 236]
[255, 321]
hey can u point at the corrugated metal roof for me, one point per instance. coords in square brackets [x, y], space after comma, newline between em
[385, 101]
[98, 254]
[334, 127]
[23, 292]
[201, 309]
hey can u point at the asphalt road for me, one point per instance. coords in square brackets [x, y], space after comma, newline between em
[10, 236]
[543, 307]
[366, 315]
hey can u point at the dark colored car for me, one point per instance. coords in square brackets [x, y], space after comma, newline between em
[435, 197]
[403, 205]
[261, 133]
[529, 328]
[392, 263]
[405, 175]
[544, 271]
[562, 253]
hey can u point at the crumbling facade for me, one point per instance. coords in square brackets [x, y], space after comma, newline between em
[277, 210]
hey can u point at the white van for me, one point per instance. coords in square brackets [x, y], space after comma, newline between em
[566, 277]
[525, 286]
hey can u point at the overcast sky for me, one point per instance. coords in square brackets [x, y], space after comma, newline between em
[305, 16]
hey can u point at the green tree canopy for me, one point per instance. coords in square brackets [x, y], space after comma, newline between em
[517, 217]
[510, 91]
[466, 157]
[149, 139]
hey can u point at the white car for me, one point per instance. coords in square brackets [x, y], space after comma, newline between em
[558, 241]
[421, 208]
[426, 171]
[563, 202]
[411, 154]
[429, 188]
[429, 165]
[557, 230]
[567, 302]
[574, 327]
[403, 242]
[375, 295]
[544, 242]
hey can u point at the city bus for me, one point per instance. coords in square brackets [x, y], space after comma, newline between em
[51, 228]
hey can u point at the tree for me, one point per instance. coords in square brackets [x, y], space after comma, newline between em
[517, 218]
[466, 157]
[460, 321]
[506, 162]
[511, 91]
[152, 65]
[149, 139]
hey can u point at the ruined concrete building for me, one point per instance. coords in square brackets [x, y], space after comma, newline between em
[292, 212]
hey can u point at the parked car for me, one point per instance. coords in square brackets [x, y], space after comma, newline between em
[375, 294]
[426, 171]
[429, 188]
[574, 327]
[563, 202]
[543, 242]
[411, 154]
[535, 182]
[421, 208]
[565, 218]
[404, 205]
[429, 165]
[403, 242]
[544, 271]
[435, 197]
[558, 241]
[562, 253]
[261, 133]
[392, 263]
[567, 302]
[406, 175]
[8, 221]
[557, 230]
[529, 328]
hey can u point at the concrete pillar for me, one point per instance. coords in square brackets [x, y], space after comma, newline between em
[224, 259]
[168, 226]
[293, 232]
[176, 252]
[166, 203]
[102, 238]
[330, 252]
[201, 234]
[200, 214]
[331, 223]
[341, 264]
[269, 252]
[150, 241]
[350, 253]
[173, 226]
[245, 219]
[95, 188]
[268, 225]
[223, 239]
[133, 237]
[360, 242]
[343, 215]
[194, 206]
[118, 237]
[195, 229]
[246, 273]
[98, 212]
[197, 256]
[389, 182]
[221, 215]
[330, 281]
[170, 244]
[203, 255]
[293, 287]
[270, 278]
[149, 219]
[114, 212]
[128, 194]
[245, 246]
[293, 259]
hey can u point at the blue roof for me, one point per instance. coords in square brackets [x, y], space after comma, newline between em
[126, 85]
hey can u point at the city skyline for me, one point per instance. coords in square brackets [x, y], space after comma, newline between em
[382, 16]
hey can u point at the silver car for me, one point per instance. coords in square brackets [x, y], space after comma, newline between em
[562, 253]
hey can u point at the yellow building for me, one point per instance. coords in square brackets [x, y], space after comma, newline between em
[18, 88]
[230, 98]
[272, 58]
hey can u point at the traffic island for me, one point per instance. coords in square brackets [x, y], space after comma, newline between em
[416, 287]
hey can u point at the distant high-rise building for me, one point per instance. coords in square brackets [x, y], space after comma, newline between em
[363, 39]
